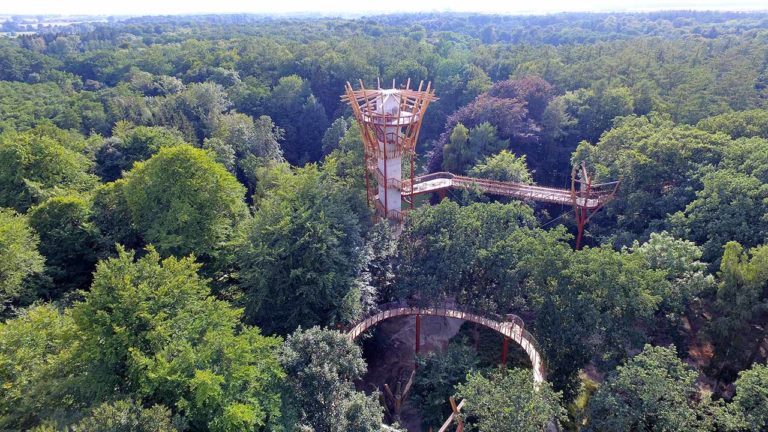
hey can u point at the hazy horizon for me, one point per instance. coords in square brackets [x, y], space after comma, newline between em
[351, 7]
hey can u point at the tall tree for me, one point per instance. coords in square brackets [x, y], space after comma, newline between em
[658, 162]
[503, 166]
[731, 207]
[69, 240]
[20, 260]
[36, 364]
[132, 144]
[296, 110]
[739, 306]
[182, 201]
[750, 404]
[303, 253]
[438, 375]
[150, 328]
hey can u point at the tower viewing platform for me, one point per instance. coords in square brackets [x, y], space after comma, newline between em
[390, 120]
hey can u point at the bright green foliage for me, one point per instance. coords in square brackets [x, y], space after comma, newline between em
[132, 144]
[19, 257]
[731, 207]
[183, 202]
[302, 254]
[69, 241]
[658, 163]
[679, 260]
[24, 106]
[589, 112]
[751, 401]
[149, 328]
[618, 293]
[506, 401]
[35, 360]
[41, 163]
[321, 366]
[126, 416]
[749, 123]
[592, 303]
[203, 104]
[748, 156]
[248, 137]
[654, 391]
[454, 152]
[467, 146]
[740, 301]
[504, 166]
[437, 377]
[344, 161]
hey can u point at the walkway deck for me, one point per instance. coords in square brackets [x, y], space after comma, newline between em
[445, 180]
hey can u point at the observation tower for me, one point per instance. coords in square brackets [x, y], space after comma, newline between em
[389, 121]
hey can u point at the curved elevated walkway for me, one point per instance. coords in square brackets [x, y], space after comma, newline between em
[512, 326]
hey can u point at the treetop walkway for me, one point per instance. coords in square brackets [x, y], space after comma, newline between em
[512, 327]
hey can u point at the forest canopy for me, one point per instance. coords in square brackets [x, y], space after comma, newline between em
[184, 233]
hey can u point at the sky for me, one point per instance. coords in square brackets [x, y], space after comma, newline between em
[336, 7]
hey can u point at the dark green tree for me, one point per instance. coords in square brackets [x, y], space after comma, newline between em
[750, 123]
[132, 144]
[730, 207]
[750, 404]
[438, 375]
[303, 253]
[654, 391]
[69, 241]
[321, 366]
[659, 164]
[739, 304]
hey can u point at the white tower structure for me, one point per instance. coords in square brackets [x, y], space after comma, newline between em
[389, 121]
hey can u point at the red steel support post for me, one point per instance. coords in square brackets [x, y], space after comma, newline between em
[412, 156]
[581, 220]
[504, 351]
[418, 333]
